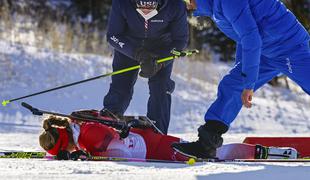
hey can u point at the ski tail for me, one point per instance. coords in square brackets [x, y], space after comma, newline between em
[301, 144]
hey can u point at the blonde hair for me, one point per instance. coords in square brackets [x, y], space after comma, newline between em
[49, 136]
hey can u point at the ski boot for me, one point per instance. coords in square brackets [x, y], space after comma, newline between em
[210, 138]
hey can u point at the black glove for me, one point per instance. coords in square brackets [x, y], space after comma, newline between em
[63, 155]
[148, 62]
[82, 155]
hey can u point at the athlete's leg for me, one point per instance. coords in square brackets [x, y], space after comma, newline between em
[297, 66]
[121, 89]
[223, 111]
[159, 103]
[228, 103]
[159, 146]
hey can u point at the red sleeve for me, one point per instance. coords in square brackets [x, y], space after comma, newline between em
[95, 137]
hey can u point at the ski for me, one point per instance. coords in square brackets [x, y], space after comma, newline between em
[302, 160]
[119, 159]
[301, 144]
[191, 161]
[44, 155]
[23, 155]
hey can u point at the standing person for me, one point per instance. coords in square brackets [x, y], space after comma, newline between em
[141, 32]
[270, 40]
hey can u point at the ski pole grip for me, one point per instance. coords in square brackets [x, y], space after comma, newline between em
[195, 51]
[34, 111]
[183, 53]
[27, 106]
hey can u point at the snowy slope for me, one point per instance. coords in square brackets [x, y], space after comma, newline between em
[25, 70]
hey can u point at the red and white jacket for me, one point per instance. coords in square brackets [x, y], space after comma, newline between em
[99, 139]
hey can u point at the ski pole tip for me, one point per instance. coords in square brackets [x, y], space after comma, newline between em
[5, 102]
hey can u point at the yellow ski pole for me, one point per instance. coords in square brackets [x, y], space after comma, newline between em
[176, 54]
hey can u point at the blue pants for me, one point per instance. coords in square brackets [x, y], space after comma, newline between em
[296, 65]
[160, 88]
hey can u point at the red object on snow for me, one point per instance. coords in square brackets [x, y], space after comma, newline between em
[301, 144]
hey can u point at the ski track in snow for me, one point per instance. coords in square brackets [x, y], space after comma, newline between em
[25, 70]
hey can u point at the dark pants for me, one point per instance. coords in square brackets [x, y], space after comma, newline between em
[121, 90]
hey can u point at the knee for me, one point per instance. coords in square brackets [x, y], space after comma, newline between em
[162, 87]
[230, 85]
[170, 87]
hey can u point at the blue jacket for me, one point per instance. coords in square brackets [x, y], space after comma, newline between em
[167, 30]
[259, 27]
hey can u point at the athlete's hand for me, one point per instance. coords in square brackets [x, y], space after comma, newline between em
[246, 97]
[63, 155]
[148, 62]
[191, 5]
[79, 154]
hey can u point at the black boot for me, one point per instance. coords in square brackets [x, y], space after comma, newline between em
[194, 150]
[210, 138]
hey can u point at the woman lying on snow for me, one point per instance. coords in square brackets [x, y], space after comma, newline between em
[71, 139]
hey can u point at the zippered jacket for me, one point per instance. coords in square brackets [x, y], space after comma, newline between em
[128, 30]
[259, 27]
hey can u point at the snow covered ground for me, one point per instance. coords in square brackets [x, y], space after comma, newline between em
[25, 70]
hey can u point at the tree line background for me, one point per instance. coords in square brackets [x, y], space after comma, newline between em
[80, 25]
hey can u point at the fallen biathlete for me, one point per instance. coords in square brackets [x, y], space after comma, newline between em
[70, 139]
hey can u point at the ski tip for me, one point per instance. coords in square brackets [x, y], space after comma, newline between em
[5, 102]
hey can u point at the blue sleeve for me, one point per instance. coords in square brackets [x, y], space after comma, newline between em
[116, 31]
[239, 52]
[240, 16]
[203, 8]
